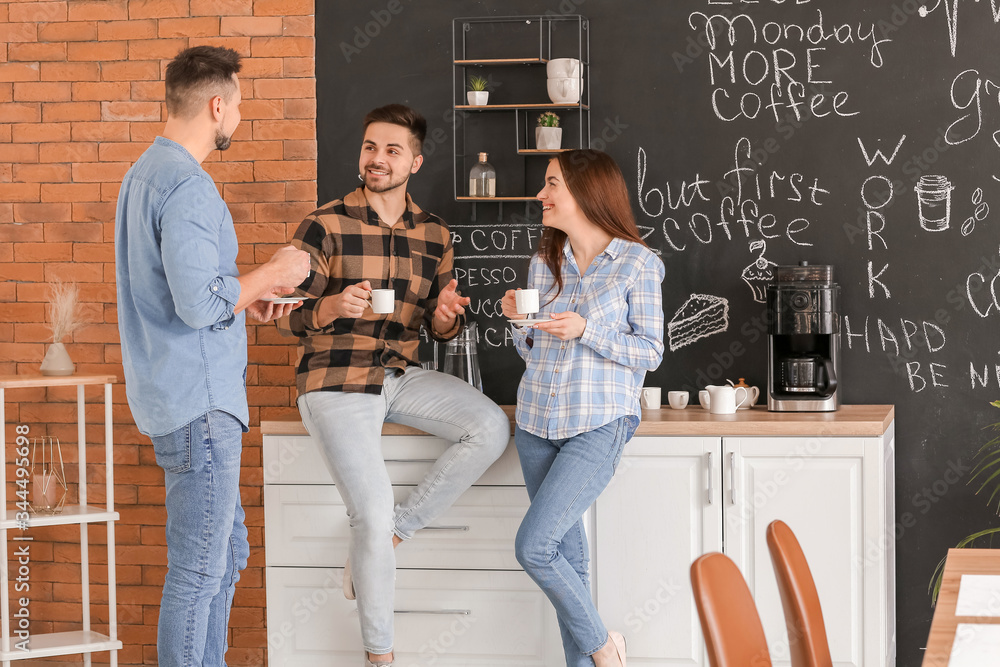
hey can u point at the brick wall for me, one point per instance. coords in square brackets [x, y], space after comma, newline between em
[81, 90]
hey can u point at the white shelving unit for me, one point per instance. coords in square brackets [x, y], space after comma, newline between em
[85, 640]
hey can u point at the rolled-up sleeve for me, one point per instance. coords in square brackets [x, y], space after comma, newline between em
[190, 226]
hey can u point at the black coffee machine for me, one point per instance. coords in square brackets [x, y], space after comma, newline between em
[803, 354]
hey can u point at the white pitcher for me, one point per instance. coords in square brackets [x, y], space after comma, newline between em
[722, 399]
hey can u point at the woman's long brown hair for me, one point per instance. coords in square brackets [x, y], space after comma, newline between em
[597, 185]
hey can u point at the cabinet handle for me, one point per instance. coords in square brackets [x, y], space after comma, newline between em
[732, 478]
[435, 612]
[711, 484]
[455, 528]
[410, 460]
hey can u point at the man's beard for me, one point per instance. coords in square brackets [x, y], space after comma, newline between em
[222, 141]
[384, 187]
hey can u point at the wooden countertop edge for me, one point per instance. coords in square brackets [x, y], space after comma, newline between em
[850, 420]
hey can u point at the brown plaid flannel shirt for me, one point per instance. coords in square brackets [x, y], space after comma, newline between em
[348, 244]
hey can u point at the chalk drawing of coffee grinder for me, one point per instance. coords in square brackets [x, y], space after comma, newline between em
[760, 273]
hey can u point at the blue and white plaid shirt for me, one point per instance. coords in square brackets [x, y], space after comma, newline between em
[574, 386]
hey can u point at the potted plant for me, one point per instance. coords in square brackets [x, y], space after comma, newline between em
[478, 95]
[988, 473]
[548, 134]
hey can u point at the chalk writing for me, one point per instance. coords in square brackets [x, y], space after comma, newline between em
[975, 283]
[740, 214]
[982, 210]
[951, 16]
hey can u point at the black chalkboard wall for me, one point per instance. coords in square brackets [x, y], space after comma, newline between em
[898, 97]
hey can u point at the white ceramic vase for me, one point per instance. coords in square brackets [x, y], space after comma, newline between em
[57, 361]
[548, 138]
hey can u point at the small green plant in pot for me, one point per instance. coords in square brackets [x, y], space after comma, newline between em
[478, 95]
[987, 474]
[548, 134]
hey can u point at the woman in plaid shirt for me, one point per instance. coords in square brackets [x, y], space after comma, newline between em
[600, 329]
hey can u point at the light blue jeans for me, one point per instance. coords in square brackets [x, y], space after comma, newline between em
[564, 478]
[206, 539]
[348, 425]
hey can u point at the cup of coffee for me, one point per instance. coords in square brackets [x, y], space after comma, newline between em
[526, 301]
[703, 398]
[678, 399]
[383, 301]
[650, 398]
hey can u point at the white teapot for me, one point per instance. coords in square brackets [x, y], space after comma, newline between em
[722, 399]
[753, 391]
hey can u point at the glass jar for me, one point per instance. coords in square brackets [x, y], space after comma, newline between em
[483, 179]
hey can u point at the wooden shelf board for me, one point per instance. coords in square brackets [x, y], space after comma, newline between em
[508, 107]
[61, 643]
[11, 381]
[71, 514]
[503, 61]
[538, 151]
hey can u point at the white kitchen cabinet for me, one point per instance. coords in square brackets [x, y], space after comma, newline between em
[659, 514]
[461, 597]
[719, 494]
[688, 483]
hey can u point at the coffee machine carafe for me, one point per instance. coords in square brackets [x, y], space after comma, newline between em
[803, 354]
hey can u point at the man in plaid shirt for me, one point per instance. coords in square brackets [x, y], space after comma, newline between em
[357, 369]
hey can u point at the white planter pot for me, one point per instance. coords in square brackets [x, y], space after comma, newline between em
[478, 98]
[548, 138]
[57, 361]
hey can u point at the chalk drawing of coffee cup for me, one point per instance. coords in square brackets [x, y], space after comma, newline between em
[934, 199]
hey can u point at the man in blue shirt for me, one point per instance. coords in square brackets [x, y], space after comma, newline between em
[184, 345]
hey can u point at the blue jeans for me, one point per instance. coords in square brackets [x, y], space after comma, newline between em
[206, 540]
[564, 478]
[348, 426]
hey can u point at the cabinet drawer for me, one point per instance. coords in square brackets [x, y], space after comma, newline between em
[297, 459]
[464, 618]
[308, 526]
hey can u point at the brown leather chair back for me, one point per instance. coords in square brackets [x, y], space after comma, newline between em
[729, 619]
[807, 641]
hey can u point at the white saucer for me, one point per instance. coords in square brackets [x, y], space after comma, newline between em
[524, 323]
[282, 299]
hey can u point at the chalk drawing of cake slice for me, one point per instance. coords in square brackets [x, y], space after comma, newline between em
[701, 316]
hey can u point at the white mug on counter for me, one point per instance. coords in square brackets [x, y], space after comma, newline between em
[703, 398]
[650, 398]
[678, 400]
[722, 399]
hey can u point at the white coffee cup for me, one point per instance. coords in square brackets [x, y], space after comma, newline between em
[703, 398]
[383, 301]
[650, 398]
[526, 301]
[678, 399]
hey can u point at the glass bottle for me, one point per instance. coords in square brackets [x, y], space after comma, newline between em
[483, 179]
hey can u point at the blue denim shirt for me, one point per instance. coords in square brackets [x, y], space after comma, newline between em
[183, 348]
